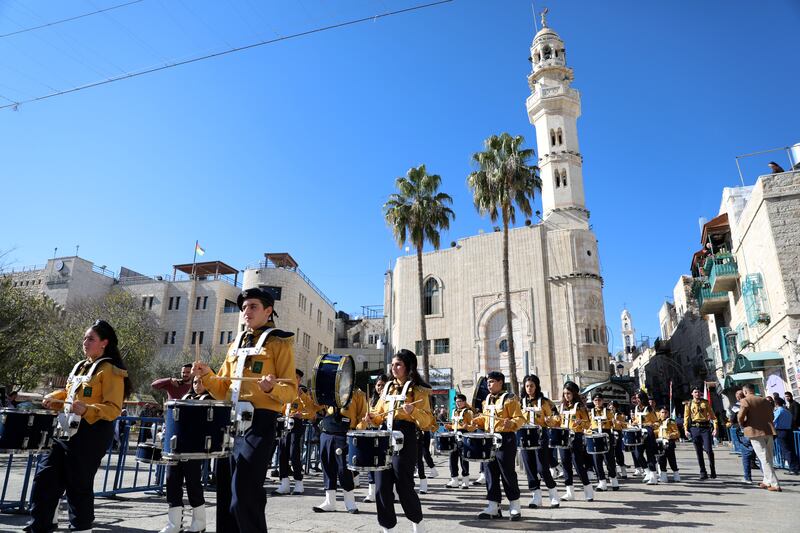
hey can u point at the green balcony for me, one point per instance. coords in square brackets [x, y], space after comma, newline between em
[708, 301]
[723, 273]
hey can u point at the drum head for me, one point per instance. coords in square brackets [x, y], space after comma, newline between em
[333, 380]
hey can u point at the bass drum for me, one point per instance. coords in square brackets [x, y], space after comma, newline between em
[333, 380]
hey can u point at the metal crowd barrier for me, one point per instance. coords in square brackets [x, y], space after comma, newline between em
[777, 456]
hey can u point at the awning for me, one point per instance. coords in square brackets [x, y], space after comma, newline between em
[610, 391]
[715, 226]
[749, 362]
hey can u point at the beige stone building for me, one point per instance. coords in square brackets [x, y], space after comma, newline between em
[65, 280]
[559, 324]
[301, 306]
[362, 337]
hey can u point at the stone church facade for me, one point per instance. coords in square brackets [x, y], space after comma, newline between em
[559, 323]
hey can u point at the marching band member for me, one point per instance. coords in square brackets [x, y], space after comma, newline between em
[191, 471]
[461, 421]
[266, 353]
[574, 416]
[638, 459]
[91, 402]
[381, 382]
[333, 452]
[540, 411]
[302, 410]
[647, 420]
[424, 455]
[701, 427]
[668, 431]
[603, 422]
[502, 414]
[619, 423]
[404, 406]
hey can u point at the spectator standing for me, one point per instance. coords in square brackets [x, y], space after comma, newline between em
[755, 417]
[794, 409]
[783, 427]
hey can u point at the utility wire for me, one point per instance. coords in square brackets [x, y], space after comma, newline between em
[15, 105]
[76, 17]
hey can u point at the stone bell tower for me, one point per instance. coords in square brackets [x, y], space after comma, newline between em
[553, 109]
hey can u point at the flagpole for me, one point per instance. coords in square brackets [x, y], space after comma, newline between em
[194, 259]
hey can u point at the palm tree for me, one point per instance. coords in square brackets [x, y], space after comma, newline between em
[505, 179]
[417, 213]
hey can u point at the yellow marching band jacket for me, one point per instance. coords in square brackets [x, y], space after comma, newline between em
[99, 384]
[421, 415]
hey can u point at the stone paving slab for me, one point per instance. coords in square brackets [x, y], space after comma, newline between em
[724, 504]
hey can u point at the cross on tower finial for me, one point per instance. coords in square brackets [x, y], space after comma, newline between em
[544, 13]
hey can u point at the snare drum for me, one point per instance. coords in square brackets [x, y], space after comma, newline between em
[283, 426]
[478, 446]
[369, 450]
[529, 437]
[149, 453]
[596, 443]
[445, 442]
[26, 430]
[632, 437]
[560, 438]
[196, 429]
[333, 379]
[661, 446]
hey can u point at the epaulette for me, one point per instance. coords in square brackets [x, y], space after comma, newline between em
[280, 335]
[119, 371]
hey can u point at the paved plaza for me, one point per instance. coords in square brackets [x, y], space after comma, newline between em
[723, 504]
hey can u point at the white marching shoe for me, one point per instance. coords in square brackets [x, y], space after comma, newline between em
[614, 484]
[481, 479]
[514, 512]
[298, 487]
[198, 524]
[283, 487]
[555, 501]
[662, 477]
[676, 476]
[492, 511]
[329, 505]
[370, 493]
[174, 520]
[387, 530]
[602, 486]
[417, 527]
[423, 486]
[652, 479]
[639, 472]
[350, 502]
[453, 483]
[646, 476]
[588, 492]
[433, 473]
[623, 472]
[536, 499]
[465, 482]
[569, 494]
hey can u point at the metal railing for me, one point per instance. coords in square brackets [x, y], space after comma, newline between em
[270, 264]
[137, 280]
[777, 455]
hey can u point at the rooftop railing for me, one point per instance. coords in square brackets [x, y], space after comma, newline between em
[270, 264]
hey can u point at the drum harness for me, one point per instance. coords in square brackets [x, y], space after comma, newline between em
[493, 408]
[529, 408]
[243, 411]
[391, 399]
[68, 422]
[600, 419]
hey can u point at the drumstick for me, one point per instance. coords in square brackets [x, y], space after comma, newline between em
[57, 401]
[254, 378]
[398, 408]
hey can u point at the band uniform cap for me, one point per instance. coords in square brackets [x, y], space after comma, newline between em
[495, 375]
[248, 294]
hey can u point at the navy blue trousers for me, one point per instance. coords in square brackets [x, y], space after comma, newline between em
[608, 457]
[702, 440]
[537, 465]
[191, 471]
[241, 499]
[503, 469]
[575, 456]
[334, 465]
[400, 475]
[291, 447]
[70, 467]
[669, 456]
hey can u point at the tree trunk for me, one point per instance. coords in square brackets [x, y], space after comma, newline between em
[512, 360]
[422, 329]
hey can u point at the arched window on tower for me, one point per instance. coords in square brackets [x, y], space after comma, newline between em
[560, 137]
[552, 137]
[433, 297]
[546, 53]
[564, 177]
[558, 179]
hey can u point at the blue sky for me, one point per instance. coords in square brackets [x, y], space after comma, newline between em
[295, 146]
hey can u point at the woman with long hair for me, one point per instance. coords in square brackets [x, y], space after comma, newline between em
[91, 401]
[575, 417]
[404, 407]
[541, 411]
[380, 383]
[647, 419]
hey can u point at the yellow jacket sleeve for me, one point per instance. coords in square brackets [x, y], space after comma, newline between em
[57, 395]
[103, 394]
[513, 412]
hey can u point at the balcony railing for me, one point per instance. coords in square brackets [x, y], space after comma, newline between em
[723, 273]
[708, 301]
[270, 264]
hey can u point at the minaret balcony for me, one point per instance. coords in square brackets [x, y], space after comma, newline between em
[722, 272]
[708, 301]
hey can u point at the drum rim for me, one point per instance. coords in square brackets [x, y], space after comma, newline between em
[340, 363]
[369, 433]
[199, 403]
[371, 468]
[16, 410]
[482, 436]
[194, 455]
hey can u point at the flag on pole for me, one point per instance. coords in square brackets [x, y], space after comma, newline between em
[197, 249]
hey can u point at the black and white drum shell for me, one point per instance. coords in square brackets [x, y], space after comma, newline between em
[26, 430]
[149, 453]
[445, 441]
[369, 450]
[478, 446]
[632, 437]
[560, 438]
[196, 429]
[596, 443]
